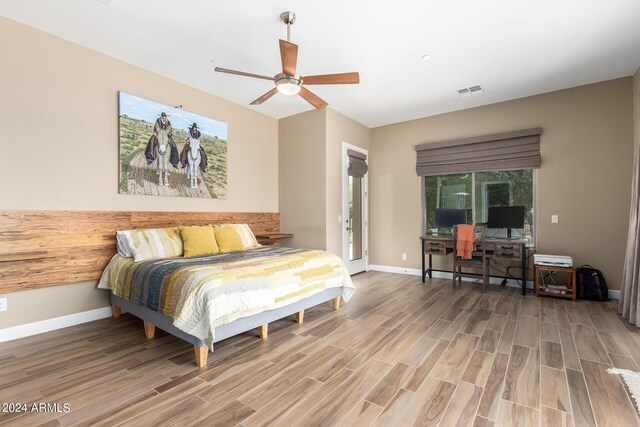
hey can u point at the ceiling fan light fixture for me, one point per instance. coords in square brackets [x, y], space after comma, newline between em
[288, 85]
[288, 82]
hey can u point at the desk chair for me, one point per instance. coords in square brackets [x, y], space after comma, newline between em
[479, 257]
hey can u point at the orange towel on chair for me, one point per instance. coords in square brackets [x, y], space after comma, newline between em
[466, 240]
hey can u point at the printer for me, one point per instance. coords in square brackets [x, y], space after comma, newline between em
[553, 260]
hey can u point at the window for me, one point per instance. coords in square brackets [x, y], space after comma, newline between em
[477, 192]
[448, 191]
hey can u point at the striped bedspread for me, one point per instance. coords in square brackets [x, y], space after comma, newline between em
[202, 293]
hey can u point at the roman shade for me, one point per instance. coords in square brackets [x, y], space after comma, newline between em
[357, 164]
[511, 150]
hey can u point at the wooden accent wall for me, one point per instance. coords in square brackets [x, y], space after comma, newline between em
[48, 248]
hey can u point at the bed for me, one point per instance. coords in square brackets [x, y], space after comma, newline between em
[206, 299]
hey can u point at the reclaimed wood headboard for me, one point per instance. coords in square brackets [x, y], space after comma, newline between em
[48, 248]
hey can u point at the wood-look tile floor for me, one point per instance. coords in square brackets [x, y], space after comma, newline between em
[399, 353]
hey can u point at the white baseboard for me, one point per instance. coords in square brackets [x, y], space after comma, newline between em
[398, 270]
[21, 331]
[444, 275]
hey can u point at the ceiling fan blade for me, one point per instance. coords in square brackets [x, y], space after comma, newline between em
[242, 73]
[265, 97]
[332, 79]
[312, 98]
[289, 57]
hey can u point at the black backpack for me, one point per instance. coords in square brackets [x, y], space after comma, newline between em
[591, 284]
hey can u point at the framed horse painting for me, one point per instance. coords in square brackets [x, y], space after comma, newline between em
[167, 151]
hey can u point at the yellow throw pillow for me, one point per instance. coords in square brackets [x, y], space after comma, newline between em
[246, 235]
[199, 240]
[228, 239]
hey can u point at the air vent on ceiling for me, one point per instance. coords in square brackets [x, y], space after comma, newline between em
[468, 91]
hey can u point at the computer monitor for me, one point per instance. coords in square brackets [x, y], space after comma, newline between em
[447, 218]
[506, 217]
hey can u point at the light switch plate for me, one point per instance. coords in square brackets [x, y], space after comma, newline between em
[554, 219]
[404, 257]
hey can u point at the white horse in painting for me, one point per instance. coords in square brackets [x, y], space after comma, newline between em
[164, 152]
[193, 159]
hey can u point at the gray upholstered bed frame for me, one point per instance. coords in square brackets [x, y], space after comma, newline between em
[261, 320]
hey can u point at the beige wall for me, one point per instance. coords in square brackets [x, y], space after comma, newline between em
[60, 101]
[46, 303]
[310, 153]
[60, 146]
[585, 176]
[340, 128]
[302, 171]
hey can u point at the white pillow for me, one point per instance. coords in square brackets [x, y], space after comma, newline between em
[124, 250]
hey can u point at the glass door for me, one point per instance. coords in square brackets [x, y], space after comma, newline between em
[355, 252]
[354, 224]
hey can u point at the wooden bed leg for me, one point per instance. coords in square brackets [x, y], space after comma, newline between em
[264, 331]
[336, 303]
[300, 316]
[116, 311]
[149, 329]
[201, 356]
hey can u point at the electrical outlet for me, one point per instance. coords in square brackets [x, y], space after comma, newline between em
[404, 257]
[3, 304]
[554, 219]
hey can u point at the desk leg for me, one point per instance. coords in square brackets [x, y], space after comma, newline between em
[523, 254]
[424, 273]
[430, 266]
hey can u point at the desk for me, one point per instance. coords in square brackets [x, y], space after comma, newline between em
[499, 249]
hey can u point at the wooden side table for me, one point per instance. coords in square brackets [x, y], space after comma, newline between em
[272, 238]
[564, 290]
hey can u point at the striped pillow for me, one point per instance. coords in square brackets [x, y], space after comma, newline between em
[150, 243]
[246, 235]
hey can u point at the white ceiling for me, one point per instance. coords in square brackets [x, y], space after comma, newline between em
[511, 48]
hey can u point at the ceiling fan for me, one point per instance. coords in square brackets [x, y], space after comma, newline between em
[288, 82]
